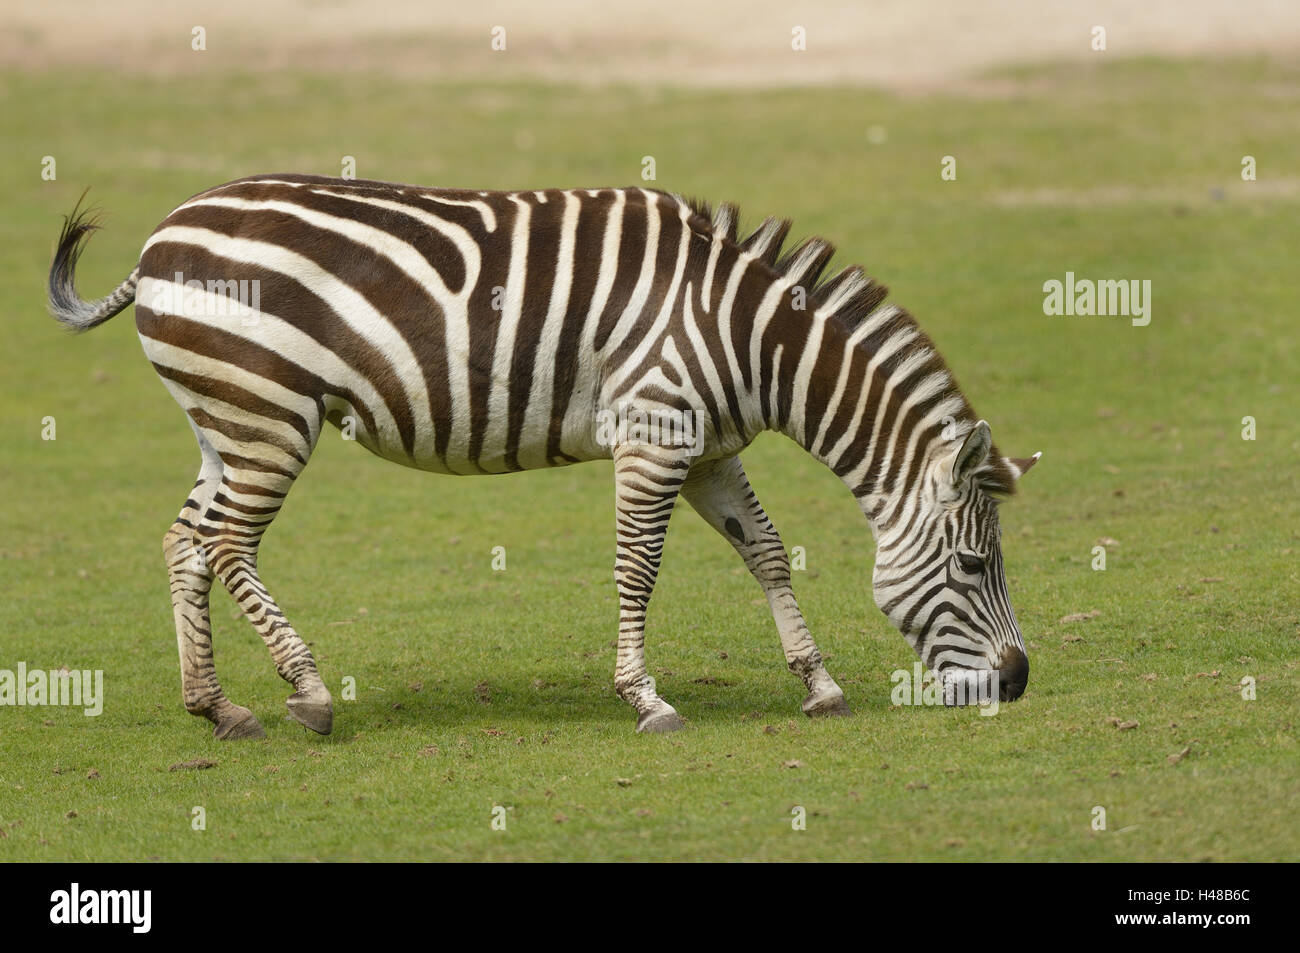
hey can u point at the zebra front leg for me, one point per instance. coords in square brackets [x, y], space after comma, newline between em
[646, 481]
[191, 581]
[720, 492]
[230, 532]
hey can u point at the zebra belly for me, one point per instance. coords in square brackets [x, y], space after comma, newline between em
[579, 443]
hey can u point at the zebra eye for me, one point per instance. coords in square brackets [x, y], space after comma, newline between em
[970, 564]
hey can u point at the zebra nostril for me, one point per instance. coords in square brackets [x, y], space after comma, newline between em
[1013, 674]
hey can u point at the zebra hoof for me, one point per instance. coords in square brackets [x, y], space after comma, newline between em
[660, 722]
[314, 711]
[238, 725]
[826, 706]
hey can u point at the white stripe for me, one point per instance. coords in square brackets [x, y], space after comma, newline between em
[711, 378]
[641, 292]
[283, 429]
[651, 337]
[537, 413]
[900, 373]
[276, 335]
[450, 229]
[833, 405]
[802, 374]
[496, 430]
[351, 307]
[577, 438]
[753, 421]
[762, 318]
[847, 438]
[454, 306]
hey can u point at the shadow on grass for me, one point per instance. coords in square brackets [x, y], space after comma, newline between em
[515, 706]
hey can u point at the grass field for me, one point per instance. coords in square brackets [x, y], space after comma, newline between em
[478, 688]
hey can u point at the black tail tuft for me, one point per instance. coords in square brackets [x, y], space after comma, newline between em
[66, 305]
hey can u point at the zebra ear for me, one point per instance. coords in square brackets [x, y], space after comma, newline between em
[1020, 466]
[974, 453]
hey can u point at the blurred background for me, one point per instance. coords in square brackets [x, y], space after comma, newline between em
[900, 44]
[1119, 154]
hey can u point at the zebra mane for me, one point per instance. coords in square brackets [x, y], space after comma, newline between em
[848, 297]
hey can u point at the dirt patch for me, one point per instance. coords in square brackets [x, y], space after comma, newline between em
[198, 764]
[902, 44]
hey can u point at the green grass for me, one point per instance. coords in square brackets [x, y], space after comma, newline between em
[478, 688]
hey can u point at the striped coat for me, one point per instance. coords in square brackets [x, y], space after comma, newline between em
[485, 332]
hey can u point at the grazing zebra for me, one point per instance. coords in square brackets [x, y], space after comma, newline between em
[485, 332]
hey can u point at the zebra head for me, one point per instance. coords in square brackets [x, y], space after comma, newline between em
[938, 575]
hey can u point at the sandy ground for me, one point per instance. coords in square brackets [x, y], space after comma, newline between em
[894, 43]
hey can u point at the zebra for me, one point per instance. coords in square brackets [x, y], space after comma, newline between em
[485, 332]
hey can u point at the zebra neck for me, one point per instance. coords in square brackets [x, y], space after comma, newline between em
[870, 402]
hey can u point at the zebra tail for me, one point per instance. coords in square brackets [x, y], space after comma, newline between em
[66, 305]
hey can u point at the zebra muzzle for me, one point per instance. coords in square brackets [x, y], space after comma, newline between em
[968, 686]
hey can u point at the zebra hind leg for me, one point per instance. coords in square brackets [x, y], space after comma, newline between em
[721, 494]
[246, 502]
[191, 582]
[260, 459]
